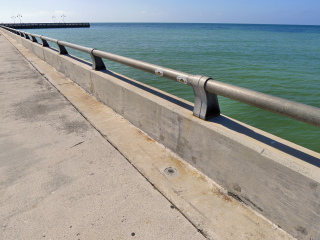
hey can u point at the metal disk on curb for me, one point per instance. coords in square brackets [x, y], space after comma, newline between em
[170, 171]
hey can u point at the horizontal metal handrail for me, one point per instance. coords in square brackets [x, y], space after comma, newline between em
[76, 47]
[35, 35]
[147, 67]
[205, 88]
[49, 39]
[281, 106]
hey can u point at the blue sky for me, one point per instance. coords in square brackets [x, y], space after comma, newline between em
[203, 11]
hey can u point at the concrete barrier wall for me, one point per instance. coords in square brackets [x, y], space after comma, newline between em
[278, 179]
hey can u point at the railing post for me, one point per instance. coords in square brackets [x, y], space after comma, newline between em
[62, 49]
[33, 39]
[206, 104]
[97, 63]
[26, 36]
[44, 42]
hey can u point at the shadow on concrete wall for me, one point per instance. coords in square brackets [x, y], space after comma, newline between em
[228, 123]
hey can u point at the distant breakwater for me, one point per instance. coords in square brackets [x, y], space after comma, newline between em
[45, 25]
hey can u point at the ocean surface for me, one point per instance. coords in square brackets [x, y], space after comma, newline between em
[281, 60]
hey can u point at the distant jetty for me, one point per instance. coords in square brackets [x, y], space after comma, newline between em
[45, 25]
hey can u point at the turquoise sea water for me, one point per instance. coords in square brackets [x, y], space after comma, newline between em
[281, 60]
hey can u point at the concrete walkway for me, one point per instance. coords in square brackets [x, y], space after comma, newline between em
[60, 179]
[72, 168]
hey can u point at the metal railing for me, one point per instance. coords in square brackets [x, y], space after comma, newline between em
[205, 89]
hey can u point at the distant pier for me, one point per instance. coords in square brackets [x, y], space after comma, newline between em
[45, 25]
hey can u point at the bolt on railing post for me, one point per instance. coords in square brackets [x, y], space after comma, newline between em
[97, 63]
[62, 49]
[44, 42]
[206, 104]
